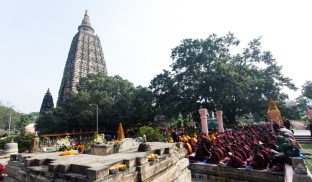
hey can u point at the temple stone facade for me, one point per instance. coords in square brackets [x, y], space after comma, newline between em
[47, 103]
[85, 56]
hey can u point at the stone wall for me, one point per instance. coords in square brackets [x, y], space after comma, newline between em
[212, 172]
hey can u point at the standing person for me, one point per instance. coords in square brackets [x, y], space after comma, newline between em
[287, 124]
[175, 136]
[309, 114]
[276, 127]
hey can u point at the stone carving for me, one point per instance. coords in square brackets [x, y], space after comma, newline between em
[35, 145]
[300, 169]
[296, 161]
[301, 174]
[85, 56]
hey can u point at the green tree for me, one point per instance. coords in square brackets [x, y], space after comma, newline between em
[5, 113]
[302, 103]
[23, 121]
[290, 111]
[205, 71]
[307, 90]
[47, 123]
[141, 109]
[152, 134]
[117, 99]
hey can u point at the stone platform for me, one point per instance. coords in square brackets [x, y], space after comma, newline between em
[213, 172]
[42, 167]
[107, 149]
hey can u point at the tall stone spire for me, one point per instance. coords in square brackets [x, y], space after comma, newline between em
[86, 24]
[85, 56]
[47, 102]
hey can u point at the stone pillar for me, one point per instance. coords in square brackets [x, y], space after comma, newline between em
[220, 121]
[301, 174]
[35, 145]
[309, 112]
[203, 117]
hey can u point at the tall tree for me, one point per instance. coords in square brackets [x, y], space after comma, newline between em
[5, 114]
[206, 71]
[307, 89]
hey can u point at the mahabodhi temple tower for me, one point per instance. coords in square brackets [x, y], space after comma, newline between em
[85, 56]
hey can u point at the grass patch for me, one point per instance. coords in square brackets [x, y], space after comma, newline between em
[308, 158]
[308, 161]
[306, 146]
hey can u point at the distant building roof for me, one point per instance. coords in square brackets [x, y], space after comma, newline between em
[30, 128]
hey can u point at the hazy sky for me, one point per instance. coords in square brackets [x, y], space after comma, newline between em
[137, 37]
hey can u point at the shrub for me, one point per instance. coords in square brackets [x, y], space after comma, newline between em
[5, 140]
[23, 141]
[151, 134]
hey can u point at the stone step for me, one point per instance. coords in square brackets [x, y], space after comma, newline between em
[302, 136]
[306, 142]
[304, 139]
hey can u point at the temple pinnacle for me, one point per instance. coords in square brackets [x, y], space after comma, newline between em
[86, 24]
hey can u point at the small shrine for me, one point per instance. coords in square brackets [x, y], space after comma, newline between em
[274, 114]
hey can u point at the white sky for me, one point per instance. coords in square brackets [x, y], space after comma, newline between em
[137, 37]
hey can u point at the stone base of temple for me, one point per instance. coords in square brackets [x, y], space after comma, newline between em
[170, 166]
[212, 172]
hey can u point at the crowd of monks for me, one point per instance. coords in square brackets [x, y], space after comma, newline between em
[250, 146]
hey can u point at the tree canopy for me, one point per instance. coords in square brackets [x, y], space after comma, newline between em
[18, 120]
[206, 71]
[307, 89]
[117, 99]
[5, 113]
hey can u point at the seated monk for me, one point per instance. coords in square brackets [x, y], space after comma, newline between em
[220, 153]
[243, 154]
[258, 161]
[206, 146]
[247, 150]
[193, 145]
[235, 161]
[266, 154]
[237, 154]
[223, 150]
[228, 148]
[214, 157]
[199, 154]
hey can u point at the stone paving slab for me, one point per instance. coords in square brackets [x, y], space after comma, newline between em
[302, 133]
